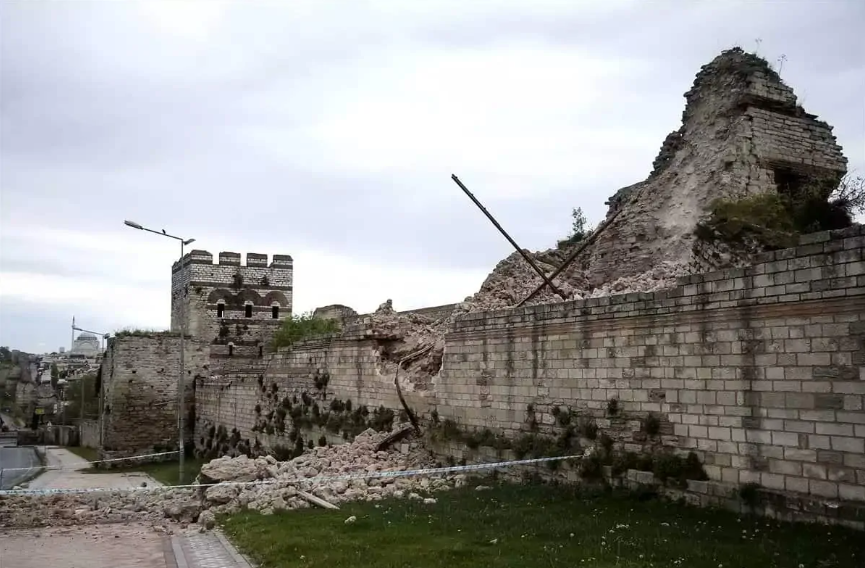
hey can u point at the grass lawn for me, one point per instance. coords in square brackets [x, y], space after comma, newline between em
[89, 454]
[536, 526]
[163, 472]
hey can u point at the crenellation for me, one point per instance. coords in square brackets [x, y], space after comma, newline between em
[229, 258]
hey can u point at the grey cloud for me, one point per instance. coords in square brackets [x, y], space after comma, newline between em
[104, 119]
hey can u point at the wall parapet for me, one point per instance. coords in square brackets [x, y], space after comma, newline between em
[225, 258]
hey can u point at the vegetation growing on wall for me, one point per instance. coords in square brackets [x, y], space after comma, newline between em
[144, 332]
[775, 219]
[580, 228]
[566, 436]
[302, 326]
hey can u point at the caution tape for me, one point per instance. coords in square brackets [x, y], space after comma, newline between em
[299, 480]
[81, 466]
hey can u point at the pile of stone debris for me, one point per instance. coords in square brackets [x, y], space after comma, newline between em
[228, 485]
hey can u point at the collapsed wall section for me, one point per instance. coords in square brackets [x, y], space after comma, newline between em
[759, 370]
[138, 388]
[743, 133]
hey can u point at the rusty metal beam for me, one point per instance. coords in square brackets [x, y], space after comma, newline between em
[547, 281]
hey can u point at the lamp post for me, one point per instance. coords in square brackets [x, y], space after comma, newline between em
[181, 381]
[102, 337]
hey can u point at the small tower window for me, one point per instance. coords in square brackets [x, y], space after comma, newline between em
[274, 312]
[230, 349]
[220, 310]
[248, 310]
[261, 350]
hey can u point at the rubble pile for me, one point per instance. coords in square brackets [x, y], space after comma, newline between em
[287, 485]
[285, 491]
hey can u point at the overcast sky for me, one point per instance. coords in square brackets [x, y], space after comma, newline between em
[329, 131]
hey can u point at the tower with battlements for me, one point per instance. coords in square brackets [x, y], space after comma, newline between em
[234, 306]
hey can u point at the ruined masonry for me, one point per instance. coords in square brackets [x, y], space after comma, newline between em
[755, 363]
[231, 310]
[743, 133]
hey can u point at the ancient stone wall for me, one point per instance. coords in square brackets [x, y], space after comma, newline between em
[350, 367]
[234, 306]
[139, 377]
[743, 133]
[89, 433]
[759, 370]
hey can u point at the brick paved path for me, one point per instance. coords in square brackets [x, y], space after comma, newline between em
[133, 545]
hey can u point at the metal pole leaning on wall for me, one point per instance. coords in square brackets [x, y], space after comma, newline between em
[547, 281]
[572, 257]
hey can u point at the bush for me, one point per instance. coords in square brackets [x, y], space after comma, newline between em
[606, 443]
[299, 327]
[773, 219]
[591, 467]
[749, 493]
[623, 462]
[652, 425]
[588, 428]
[669, 468]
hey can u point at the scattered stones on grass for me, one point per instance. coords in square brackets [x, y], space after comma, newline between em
[229, 485]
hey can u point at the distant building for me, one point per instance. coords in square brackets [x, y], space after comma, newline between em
[85, 345]
[62, 350]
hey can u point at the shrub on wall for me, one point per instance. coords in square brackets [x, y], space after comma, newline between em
[303, 326]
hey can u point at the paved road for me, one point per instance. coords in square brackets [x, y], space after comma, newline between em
[12, 456]
[129, 545]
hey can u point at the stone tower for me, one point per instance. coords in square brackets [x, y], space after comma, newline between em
[233, 306]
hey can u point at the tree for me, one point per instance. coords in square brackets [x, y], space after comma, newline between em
[5, 354]
[850, 195]
[55, 375]
[580, 228]
[72, 394]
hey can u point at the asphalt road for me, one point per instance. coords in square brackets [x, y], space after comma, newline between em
[15, 457]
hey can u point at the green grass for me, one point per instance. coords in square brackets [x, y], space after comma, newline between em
[536, 526]
[163, 472]
[89, 454]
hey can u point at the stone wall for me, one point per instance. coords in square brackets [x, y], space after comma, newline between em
[230, 286]
[352, 362]
[89, 433]
[759, 370]
[139, 378]
[743, 133]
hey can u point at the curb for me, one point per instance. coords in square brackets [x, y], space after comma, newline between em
[240, 559]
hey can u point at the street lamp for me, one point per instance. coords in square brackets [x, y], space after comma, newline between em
[180, 383]
[102, 337]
